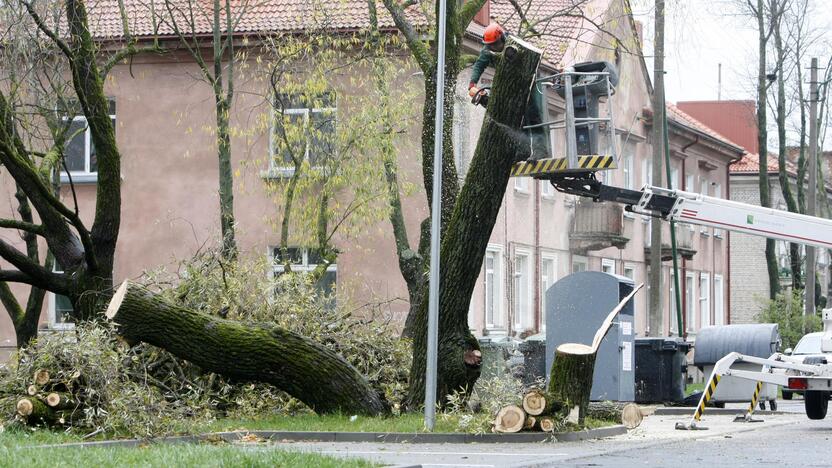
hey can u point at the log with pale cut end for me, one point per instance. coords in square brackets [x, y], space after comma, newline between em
[547, 424]
[41, 377]
[306, 370]
[530, 423]
[510, 419]
[35, 411]
[570, 380]
[60, 400]
[628, 414]
[32, 390]
[537, 402]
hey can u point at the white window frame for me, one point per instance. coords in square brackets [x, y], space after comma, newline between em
[608, 263]
[305, 267]
[690, 180]
[52, 312]
[704, 300]
[579, 260]
[674, 178]
[282, 170]
[522, 290]
[547, 191]
[704, 189]
[546, 281]
[719, 300]
[646, 172]
[498, 324]
[521, 185]
[718, 233]
[690, 302]
[87, 175]
[627, 171]
[631, 267]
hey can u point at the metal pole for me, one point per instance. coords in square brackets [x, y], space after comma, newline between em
[571, 138]
[435, 221]
[809, 303]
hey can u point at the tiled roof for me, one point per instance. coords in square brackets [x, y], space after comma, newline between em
[677, 115]
[556, 27]
[750, 163]
[257, 16]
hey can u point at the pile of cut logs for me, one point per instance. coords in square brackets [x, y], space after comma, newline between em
[541, 412]
[51, 401]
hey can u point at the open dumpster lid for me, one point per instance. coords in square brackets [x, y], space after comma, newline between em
[714, 343]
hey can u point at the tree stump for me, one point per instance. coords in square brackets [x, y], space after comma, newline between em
[510, 418]
[308, 371]
[547, 424]
[59, 400]
[35, 411]
[537, 402]
[571, 379]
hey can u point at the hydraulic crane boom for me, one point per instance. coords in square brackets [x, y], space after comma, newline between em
[694, 208]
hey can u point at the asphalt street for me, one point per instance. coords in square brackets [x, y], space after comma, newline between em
[779, 440]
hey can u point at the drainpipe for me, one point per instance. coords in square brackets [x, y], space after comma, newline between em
[727, 252]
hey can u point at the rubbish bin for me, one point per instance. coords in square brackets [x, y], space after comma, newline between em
[534, 359]
[713, 343]
[661, 364]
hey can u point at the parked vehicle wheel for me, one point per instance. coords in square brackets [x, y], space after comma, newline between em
[816, 402]
[787, 395]
[772, 405]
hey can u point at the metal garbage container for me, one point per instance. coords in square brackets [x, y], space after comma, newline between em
[714, 343]
[661, 364]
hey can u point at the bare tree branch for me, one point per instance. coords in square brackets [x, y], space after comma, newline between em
[414, 43]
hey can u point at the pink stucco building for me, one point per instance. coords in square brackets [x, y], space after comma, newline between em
[170, 201]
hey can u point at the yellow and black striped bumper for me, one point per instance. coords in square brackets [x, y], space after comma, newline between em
[543, 167]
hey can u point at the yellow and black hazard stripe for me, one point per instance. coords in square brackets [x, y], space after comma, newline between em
[709, 393]
[554, 165]
[755, 397]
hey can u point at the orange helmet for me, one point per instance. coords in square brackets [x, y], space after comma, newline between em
[493, 33]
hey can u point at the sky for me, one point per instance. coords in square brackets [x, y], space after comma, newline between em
[701, 34]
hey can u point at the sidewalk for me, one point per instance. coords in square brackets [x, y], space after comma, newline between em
[655, 430]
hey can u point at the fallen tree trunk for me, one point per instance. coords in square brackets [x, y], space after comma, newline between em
[628, 414]
[537, 402]
[308, 371]
[35, 411]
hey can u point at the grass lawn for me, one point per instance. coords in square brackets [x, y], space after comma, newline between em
[15, 451]
[693, 388]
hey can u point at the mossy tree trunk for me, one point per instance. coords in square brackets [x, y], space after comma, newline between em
[308, 371]
[501, 144]
[570, 381]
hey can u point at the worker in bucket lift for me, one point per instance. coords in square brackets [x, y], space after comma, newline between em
[494, 41]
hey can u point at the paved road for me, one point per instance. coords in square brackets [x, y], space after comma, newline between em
[780, 438]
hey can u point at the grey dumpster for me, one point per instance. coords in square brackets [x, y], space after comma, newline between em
[714, 343]
[575, 308]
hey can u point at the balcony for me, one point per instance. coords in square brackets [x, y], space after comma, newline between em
[596, 226]
[684, 243]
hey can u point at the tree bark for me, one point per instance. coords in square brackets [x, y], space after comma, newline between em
[35, 411]
[570, 381]
[500, 145]
[656, 311]
[625, 413]
[308, 371]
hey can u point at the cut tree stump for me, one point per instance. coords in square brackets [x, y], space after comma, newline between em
[32, 390]
[547, 424]
[304, 369]
[35, 411]
[537, 402]
[570, 379]
[628, 414]
[41, 377]
[510, 418]
[59, 400]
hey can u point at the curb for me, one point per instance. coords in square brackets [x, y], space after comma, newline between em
[375, 437]
[687, 411]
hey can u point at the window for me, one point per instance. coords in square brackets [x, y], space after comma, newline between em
[493, 288]
[304, 129]
[703, 189]
[79, 152]
[674, 178]
[719, 305]
[522, 292]
[608, 266]
[690, 304]
[579, 263]
[521, 184]
[705, 299]
[546, 189]
[630, 271]
[548, 276]
[689, 181]
[60, 309]
[718, 194]
[647, 172]
[629, 183]
[673, 318]
[306, 260]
